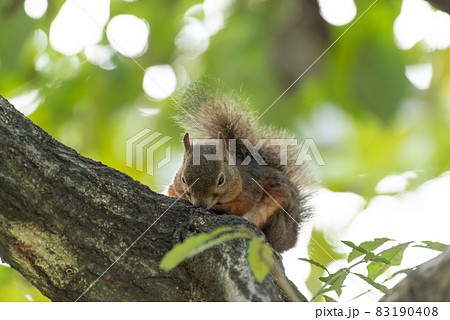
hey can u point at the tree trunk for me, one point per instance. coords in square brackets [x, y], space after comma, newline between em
[66, 219]
[443, 5]
[429, 282]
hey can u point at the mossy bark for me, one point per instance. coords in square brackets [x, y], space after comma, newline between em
[65, 219]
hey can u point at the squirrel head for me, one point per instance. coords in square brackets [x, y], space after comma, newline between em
[206, 178]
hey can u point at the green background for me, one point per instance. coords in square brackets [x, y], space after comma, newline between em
[367, 119]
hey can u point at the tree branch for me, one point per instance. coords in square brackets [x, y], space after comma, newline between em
[443, 5]
[64, 219]
[429, 282]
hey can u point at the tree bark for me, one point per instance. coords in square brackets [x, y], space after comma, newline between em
[428, 283]
[65, 219]
[443, 5]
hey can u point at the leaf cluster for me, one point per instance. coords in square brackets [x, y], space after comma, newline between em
[377, 264]
[259, 255]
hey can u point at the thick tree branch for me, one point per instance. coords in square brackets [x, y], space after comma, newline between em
[64, 219]
[443, 5]
[429, 282]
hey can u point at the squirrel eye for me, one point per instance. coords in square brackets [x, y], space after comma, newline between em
[182, 179]
[221, 179]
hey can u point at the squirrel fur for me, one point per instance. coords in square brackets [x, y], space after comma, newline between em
[272, 196]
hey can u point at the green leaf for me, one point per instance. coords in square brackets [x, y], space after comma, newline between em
[260, 258]
[368, 246]
[315, 263]
[328, 299]
[326, 290]
[360, 295]
[405, 271]
[372, 283]
[353, 255]
[379, 259]
[354, 246]
[356, 252]
[432, 245]
[197, 244]
[393, 255]
[369, 256]
[372, 245]
[337, 283]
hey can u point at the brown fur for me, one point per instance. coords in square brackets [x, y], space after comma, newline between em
[239, 206]
[171, 192]
[216, 115]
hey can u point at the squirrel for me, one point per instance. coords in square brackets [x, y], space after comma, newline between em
[257, 187]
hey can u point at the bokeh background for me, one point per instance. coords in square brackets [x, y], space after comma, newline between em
[93, 73]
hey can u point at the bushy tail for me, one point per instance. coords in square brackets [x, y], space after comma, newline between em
[204, 111]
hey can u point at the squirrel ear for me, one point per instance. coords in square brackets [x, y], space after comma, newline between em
[222, 140]
[186, 142]
[223, 144]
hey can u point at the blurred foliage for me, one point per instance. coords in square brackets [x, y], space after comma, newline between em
[14, 287]
[378, 263]
[367, 119]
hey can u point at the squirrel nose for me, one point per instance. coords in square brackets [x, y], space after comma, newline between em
[201, 203]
